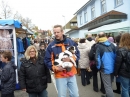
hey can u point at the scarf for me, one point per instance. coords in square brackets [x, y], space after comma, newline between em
[103, 39]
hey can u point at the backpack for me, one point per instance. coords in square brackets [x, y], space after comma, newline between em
[127, 61]
[92, 57]
[92, 53]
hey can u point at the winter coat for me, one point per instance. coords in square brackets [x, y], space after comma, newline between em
[120, 66]
[105, 57]
[41, 53]
[84, 59]
[36, 45]
[8, 78]
[34, 77]
[92, 57]
[90, 43]
[54, 49]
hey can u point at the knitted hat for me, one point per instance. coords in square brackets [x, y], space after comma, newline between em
[110, 39]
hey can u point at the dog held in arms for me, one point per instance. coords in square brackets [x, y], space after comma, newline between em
[59, 60]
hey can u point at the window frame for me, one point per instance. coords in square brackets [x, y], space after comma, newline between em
[116, 5]
[81, 20]
[104, 6]
[85, 16]
[93, 12]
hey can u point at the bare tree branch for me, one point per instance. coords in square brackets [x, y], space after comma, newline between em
[6, 10]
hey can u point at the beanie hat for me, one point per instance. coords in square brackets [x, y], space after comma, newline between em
[110, 39]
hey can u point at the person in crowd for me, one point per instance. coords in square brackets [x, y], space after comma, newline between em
[60, 44]
[8, 76]
[105, 59]
[76, 40]
[47, 40]
[90, 40]
[94, 68]
[118, 90]
[42, 42]
[110, 39]
[33, 74]
[36, 44]
[41, 52]
[122, 64]
[84, 61]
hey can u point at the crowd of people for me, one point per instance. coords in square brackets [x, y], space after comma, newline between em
[107, 55]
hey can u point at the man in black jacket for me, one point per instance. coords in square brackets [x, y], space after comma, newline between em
[94, 68]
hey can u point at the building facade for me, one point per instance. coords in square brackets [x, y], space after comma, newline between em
[110, 16]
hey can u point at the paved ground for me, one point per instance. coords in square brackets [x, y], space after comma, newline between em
[84, 91]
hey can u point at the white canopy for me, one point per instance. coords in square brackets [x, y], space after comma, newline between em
[116, 27]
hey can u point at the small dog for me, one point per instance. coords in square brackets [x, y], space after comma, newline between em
[69, 53]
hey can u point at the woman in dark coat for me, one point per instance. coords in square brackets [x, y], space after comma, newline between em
[34, 75]
[122, 64]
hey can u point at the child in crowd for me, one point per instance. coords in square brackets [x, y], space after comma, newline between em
[8, 76]
[41, 52]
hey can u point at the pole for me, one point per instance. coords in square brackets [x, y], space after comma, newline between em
[65, 22]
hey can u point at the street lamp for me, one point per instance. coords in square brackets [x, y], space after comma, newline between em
[65, 22]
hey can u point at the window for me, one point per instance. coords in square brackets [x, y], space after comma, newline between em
[119, 2]
[93, 12]
[103, 6]
[81, 21]
[85, 17]
[73, 24]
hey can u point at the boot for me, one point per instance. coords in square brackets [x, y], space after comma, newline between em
[118, 90]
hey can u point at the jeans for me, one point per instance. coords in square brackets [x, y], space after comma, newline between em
[44, 93]
[85, 77]
[63, 83]
[125, 85]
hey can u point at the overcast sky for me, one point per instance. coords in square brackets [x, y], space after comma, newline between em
[46, 13]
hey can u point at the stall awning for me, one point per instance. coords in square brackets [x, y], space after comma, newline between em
[16, 23]
[27, 30]
[116, 27]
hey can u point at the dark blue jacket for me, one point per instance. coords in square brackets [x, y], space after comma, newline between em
[8, 78]
[105, 57]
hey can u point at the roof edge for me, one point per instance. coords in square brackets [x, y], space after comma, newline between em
[82, 7]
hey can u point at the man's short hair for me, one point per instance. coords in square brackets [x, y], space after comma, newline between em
[89, 35]
[117, 38]
[55, 26]
[7, 54]
[101, 34]
[82, 40]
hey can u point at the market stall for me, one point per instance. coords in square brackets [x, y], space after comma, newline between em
[10, 31]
